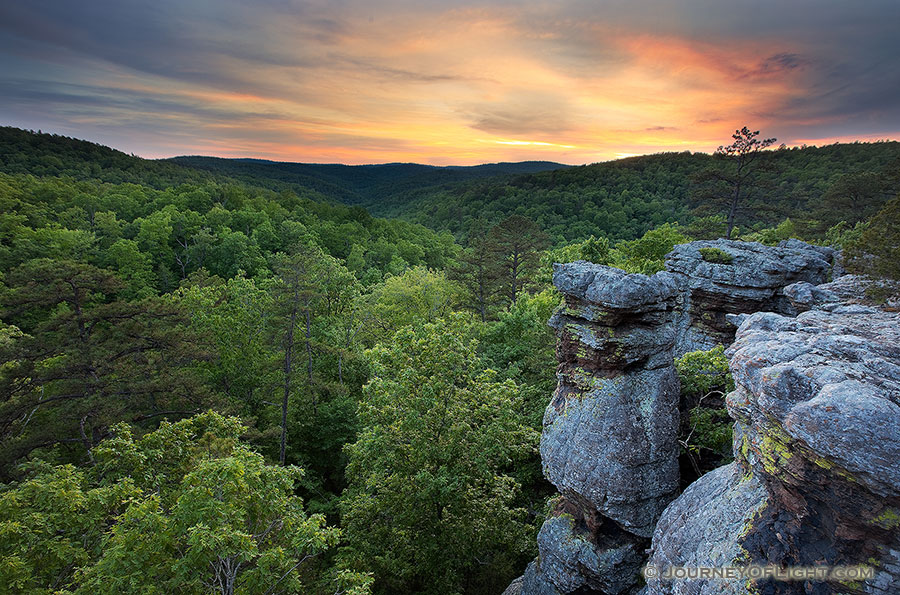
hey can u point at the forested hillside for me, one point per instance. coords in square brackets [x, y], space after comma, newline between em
[366, 185]
[135, 292]
[816, 187]
[204, 379]
[625, 198]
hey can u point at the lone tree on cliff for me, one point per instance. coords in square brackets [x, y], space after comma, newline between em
[734, 182]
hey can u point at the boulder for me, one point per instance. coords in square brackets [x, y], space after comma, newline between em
[609, 440]
[609, 436]
[720, 277]
[703, 528]
[817, 410]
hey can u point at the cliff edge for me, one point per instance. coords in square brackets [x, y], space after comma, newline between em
[816, 413]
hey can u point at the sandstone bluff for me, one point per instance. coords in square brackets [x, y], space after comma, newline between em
[815, 480]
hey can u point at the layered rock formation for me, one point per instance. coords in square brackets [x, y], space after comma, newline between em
[609, 439]
[724, 277]
[816, 479]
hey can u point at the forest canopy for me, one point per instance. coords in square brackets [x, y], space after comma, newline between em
[224, 380]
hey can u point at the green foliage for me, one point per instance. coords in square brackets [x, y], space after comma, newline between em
[134, 266]
[596, 250]
[711, 227]
[877, 251]
[236, 316]
[716, 255]
[181, 220]
[593, 249]
[773, 235]
[647, 254]
[842, 235]
[135, 289]
[854, 197]
[706, 428]
[54, 523]
[703, 371]
[187, 508]
[90, 358]
[417, 296]
[711, 435]
[428, 507]
[523, 347]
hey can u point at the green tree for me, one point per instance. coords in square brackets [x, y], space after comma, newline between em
[134, 267]
[853, 197]
[647, 254]
[187, 508]
[236, 315]
[515, 244]
[522, 347]
[89, 359]
[711, 227]
[706, 429]
[877, 252]
[308, 283]
[477, 272]
[428, 506]
[418, 295]
[738, 178]
[52, 524]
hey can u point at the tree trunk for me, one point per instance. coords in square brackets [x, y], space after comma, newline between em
[482, 306]
[288, 369]
[733, 210]
[309, 363]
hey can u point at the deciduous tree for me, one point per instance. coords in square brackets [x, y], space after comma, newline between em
[429, 504]
[187, 508]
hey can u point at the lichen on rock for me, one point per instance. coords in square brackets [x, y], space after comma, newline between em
[817, 410]
[816, 437]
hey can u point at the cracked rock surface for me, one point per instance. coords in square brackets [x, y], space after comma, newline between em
[817, 410]
[816, 436]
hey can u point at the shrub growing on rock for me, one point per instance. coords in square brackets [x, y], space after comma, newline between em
[706, 428]
[716, 256]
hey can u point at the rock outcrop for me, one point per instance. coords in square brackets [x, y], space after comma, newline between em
[817, 410]
[616, 386]
[722, 277]
[609, 439]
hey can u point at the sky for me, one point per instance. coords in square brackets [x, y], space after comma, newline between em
[377, 81]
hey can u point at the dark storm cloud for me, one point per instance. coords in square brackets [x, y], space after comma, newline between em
[848, 52]
[188, 41]
[778, 64]
[86, 100]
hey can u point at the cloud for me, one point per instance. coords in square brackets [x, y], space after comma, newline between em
[396, 80]
[522, 112]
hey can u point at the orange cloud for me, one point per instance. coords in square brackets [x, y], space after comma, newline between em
[322, 83]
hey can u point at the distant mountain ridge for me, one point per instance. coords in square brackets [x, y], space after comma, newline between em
[816, 187]
[365, 185]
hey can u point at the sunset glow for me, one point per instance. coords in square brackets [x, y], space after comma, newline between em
[442, 83]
